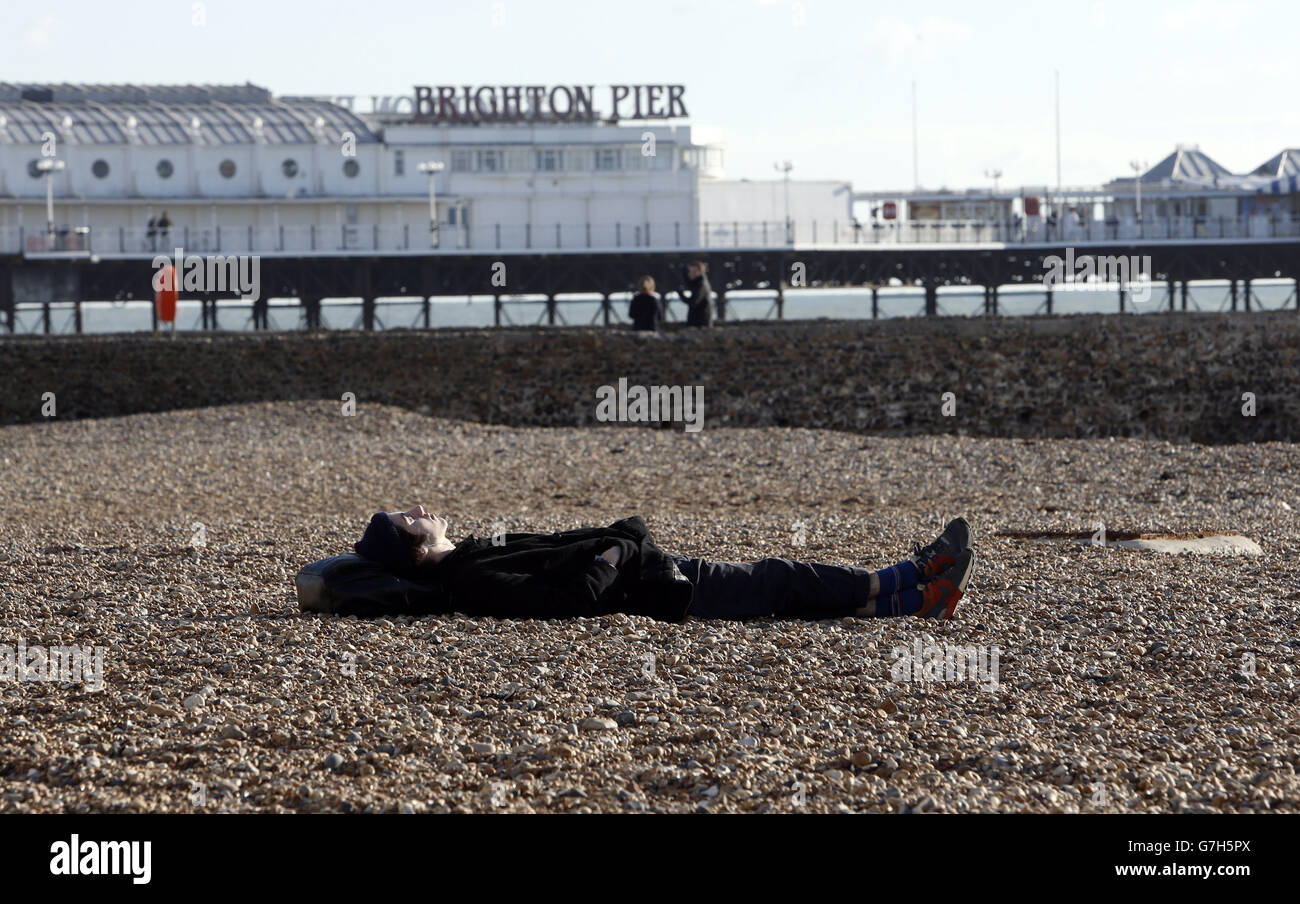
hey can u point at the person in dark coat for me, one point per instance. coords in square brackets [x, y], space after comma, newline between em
[646, 309]
[699, 300]
[619, 568]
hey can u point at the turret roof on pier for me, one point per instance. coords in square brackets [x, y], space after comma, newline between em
[1187, 163]
[1282, 164]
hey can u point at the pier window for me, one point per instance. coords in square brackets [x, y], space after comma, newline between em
[227, 169]
[696, 158]
[100, 169]
[399, 163]
[34, 169]
[490, 160]
[609, 159]
[289, 168]
[351, 168]
[549, 160]
[165, 169]
[461, 161]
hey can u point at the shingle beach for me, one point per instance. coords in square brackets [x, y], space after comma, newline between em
[1126, 680]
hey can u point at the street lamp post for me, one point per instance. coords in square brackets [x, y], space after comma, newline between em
[49, 166]
[433, 167]
[996, 174]
[784, 167]
[1138, 167]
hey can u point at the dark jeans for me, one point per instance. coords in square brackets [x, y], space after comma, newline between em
[774, 587]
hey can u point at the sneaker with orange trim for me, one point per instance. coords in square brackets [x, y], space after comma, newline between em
[939, 556]
[939, 596]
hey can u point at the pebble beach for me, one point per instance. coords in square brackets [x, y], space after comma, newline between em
[1127, 681]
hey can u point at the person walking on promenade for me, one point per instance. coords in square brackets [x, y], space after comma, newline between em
[699, 301]
[646, 309]
[151, 232]
[619, 568]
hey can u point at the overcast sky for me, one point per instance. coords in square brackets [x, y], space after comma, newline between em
[825, 84]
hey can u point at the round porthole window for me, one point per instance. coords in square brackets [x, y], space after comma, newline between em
[165, 169]
[100, 169]
[289, 168]
[227, 169]
[34, 169]
[351, 168]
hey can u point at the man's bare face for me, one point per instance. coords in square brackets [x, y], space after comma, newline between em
[417, 520]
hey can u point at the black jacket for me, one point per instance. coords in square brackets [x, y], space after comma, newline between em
[526, 576]
[557, 575]
[699, 302]
[645, 311]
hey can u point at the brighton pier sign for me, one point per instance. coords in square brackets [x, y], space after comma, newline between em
[525, 103]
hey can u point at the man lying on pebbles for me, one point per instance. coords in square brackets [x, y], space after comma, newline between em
[619, 568]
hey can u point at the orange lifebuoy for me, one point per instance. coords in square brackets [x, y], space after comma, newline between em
[165, 296]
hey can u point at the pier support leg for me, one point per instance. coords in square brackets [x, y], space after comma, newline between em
[45, 317]
[496, 310]
[875, 302]
[1122, 296]
[76, 315]
[931, 299]
[213, 303]
[424, 309]
[1233, 290]
[1184, 298]
[311, 311]
[550, 310]
[1245, 296]
[1170, 290]
[605, 308]
[722, 305]
[7, 300]
[1297, 293]
[780, 301]
[993, 300]
[1048, 301]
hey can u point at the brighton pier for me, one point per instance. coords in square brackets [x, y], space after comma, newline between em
[38, 283]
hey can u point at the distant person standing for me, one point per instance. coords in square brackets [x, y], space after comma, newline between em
[164, 225]
[151, 230]
[699, 300]
[646, 309]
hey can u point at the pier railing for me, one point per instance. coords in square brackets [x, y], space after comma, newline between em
[622, 236]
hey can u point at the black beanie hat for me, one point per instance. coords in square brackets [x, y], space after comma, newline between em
[383, 544]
